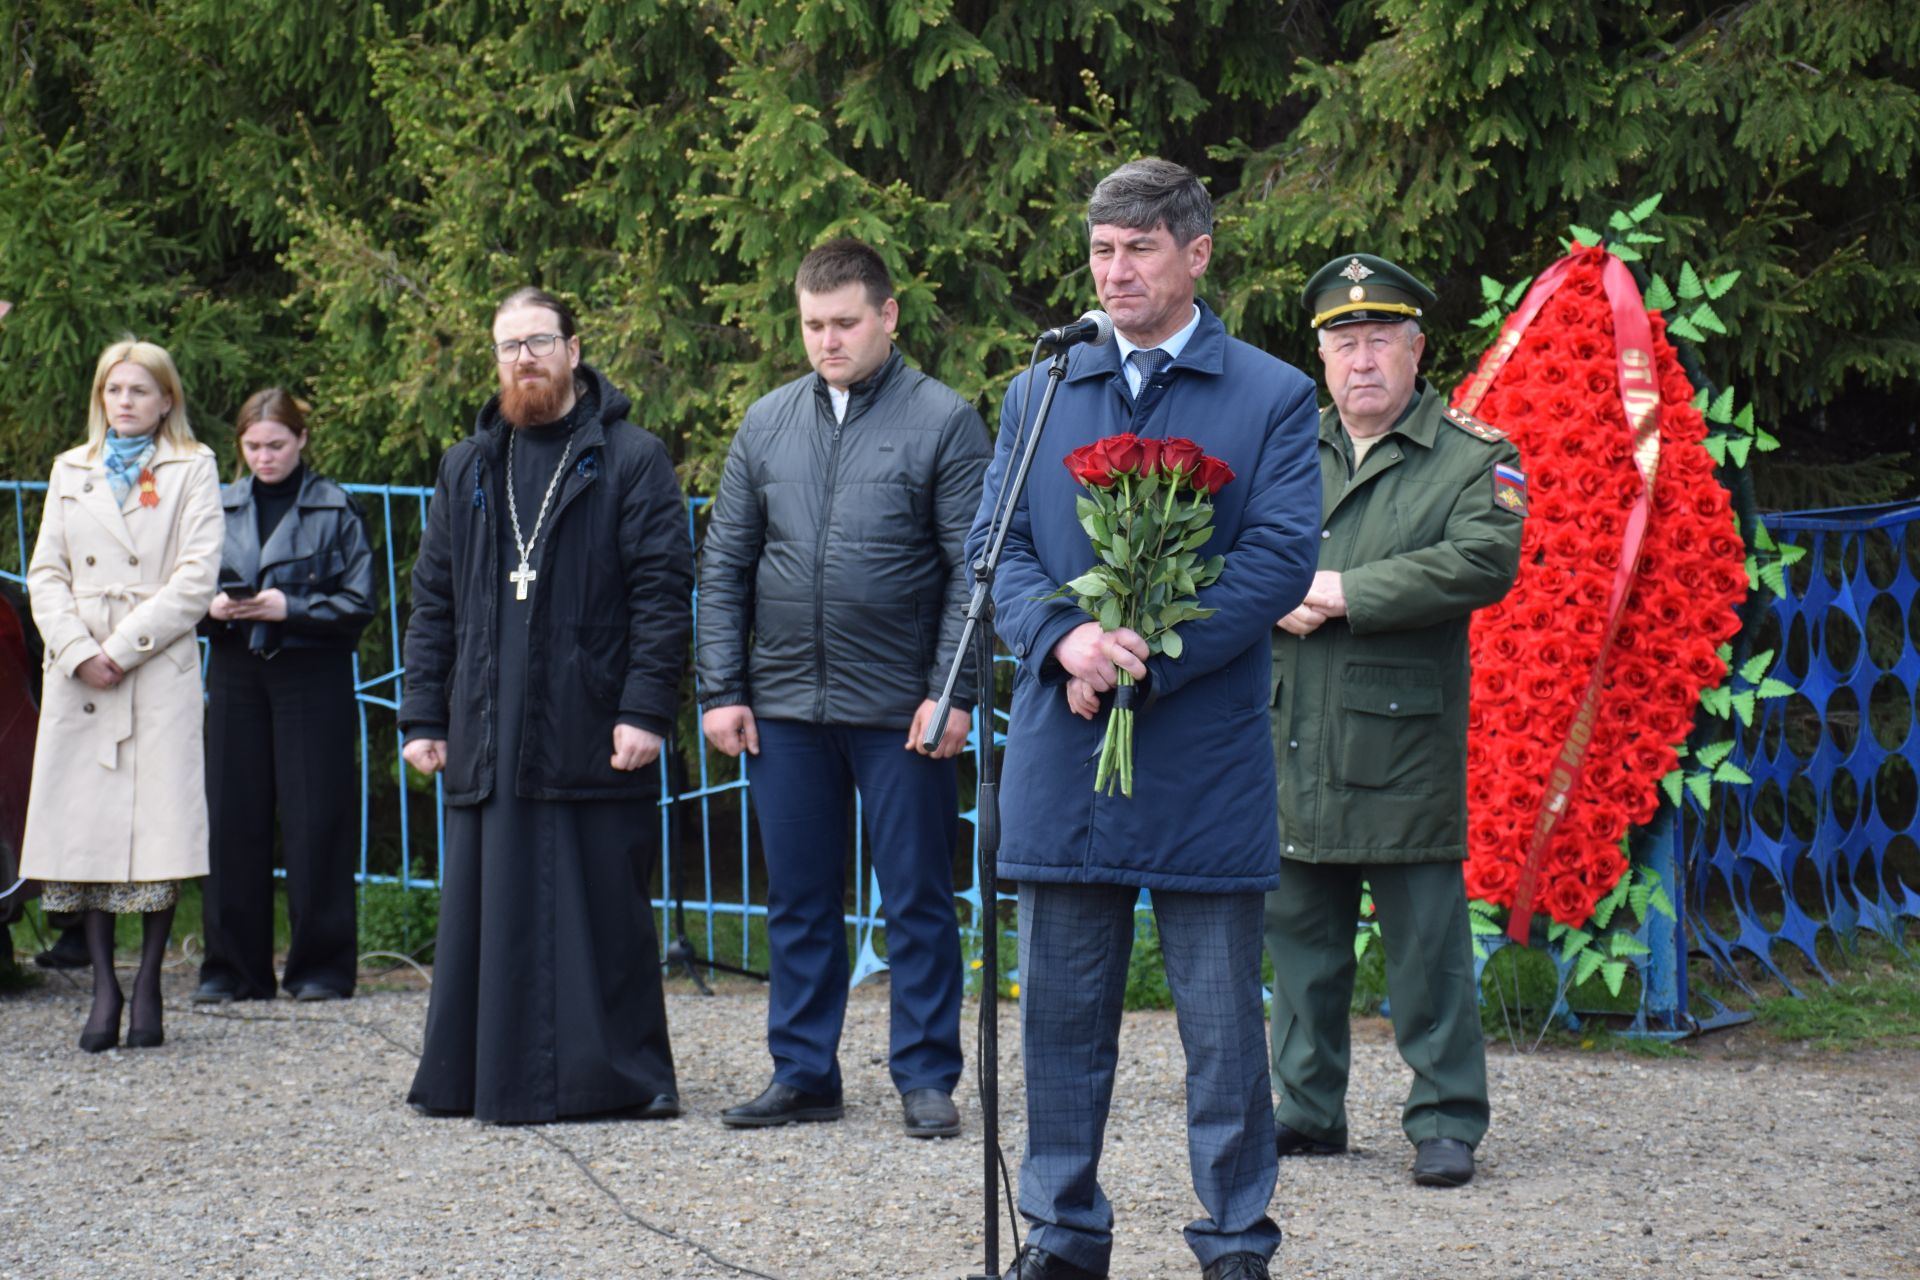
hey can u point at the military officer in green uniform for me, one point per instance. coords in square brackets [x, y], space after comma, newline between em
[1422, 512]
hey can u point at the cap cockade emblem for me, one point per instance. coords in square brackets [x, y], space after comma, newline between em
[1356, 271]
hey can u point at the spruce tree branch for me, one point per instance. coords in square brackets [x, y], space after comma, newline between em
[1712, 25]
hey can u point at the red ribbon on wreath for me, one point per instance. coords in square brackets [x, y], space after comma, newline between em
[1640, 398]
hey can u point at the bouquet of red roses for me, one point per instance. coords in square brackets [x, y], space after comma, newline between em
[1148, 510]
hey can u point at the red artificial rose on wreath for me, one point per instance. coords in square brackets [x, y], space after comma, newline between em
[1492, 879]
[1558, 398]
[1569, 899]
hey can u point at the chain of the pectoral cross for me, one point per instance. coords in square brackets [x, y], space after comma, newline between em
[513, 508]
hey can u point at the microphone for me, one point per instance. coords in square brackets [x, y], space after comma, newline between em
[1093, 328]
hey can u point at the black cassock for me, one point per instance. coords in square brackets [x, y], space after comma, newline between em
[546, 997]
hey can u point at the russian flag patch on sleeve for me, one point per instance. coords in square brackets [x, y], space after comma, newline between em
[1509, 488]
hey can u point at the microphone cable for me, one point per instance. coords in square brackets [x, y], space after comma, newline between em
[535, 1131]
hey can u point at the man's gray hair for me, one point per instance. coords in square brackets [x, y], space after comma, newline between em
[1146, 194]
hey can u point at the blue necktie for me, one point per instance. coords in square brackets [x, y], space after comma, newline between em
[1148, 361]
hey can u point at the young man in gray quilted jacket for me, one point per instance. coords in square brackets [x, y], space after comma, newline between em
[832, 582]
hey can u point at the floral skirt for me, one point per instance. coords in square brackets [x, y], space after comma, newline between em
[124, 899]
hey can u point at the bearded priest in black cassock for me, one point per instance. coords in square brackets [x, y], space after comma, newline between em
[551, 606]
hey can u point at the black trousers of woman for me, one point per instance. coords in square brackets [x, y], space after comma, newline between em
[280, 738]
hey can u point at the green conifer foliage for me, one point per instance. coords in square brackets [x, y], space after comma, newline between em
[332, 195]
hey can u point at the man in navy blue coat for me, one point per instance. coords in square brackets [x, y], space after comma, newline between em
[1200, 831]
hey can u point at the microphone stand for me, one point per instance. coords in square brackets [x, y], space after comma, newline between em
[976, 641]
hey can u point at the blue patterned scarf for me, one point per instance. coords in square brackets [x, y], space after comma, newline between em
[127, 457]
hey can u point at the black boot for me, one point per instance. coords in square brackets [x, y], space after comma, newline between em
[103, 1021]
[69, 950]
[144, 1030]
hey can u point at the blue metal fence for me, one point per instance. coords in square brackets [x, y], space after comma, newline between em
[1804, 848]
[1825, 837]
[395, 516]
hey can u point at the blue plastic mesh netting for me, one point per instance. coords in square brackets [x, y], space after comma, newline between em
[1825, 836]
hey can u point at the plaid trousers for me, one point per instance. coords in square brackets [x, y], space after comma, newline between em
[1075, 941]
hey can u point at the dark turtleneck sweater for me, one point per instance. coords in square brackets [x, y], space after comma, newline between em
[271, 502]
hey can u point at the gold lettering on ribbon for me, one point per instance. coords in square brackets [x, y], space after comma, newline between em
[1640, 396]
[1483, 380]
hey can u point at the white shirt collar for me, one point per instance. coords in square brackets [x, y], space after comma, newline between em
[840, 399]
[1172, 346]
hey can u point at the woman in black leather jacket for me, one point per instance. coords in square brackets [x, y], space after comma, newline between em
[296, 582]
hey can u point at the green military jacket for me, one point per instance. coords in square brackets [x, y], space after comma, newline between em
[1369, 712]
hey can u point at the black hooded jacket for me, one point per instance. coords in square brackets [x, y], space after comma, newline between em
[612, 609]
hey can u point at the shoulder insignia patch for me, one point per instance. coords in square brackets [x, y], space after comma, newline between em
[1473, 426]
[1509, 488]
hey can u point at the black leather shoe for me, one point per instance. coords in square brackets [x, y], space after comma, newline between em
[1291, 1142]
[436, 1113]
[1238, 1266]
[69, 951]
[663, 1107]
[782, 1104]
[314, 991]
[146, 1037]
[1442, 1162]
[214, 993]
[100, 1041]
[929, 1113]
[1038, 1264]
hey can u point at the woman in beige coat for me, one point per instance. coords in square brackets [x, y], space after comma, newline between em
[125, 565]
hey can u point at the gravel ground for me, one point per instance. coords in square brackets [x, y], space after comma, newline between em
[273, 1140]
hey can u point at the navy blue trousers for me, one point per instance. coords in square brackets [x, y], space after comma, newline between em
[803, 784]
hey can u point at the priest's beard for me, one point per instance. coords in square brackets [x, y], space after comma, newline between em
[534, 401]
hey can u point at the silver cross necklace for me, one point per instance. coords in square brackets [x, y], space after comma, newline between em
[526, 573]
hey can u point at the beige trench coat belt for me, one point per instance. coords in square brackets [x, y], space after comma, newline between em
[101, 609]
